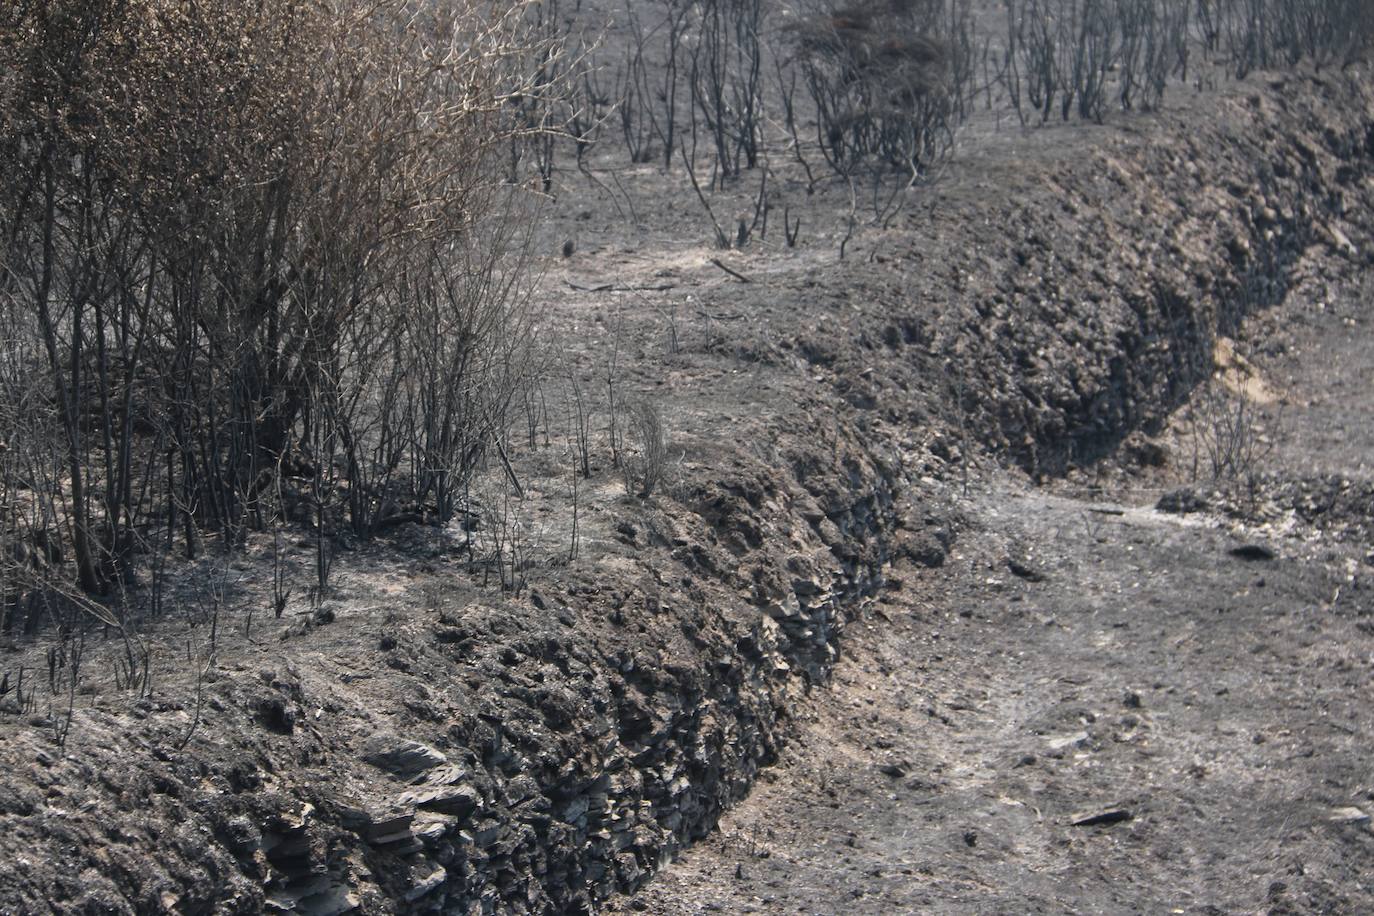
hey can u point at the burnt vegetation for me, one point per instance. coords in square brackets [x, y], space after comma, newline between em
[888, 82]
[264, 267]
[872, 94]
[258, 269]
[267, 294]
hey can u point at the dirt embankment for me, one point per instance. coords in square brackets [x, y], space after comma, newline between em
[436, 747]
[1071, 287]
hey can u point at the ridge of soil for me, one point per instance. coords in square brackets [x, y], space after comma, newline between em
[428, 745]
[1154, 726]
[1097, 706]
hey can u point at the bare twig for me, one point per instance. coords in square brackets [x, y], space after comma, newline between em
[734, 273]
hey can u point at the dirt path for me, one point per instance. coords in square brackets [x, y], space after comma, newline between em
[1221, 703]
[1075, 660]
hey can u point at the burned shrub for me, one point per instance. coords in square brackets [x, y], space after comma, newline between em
[254, 256]
[647, 463]
[889, 81]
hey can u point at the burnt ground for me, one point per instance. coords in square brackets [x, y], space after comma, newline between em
[1086, 657]
[419, 739]
[1083, 654]
[1223, 708]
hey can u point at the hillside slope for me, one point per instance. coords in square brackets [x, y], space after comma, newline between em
[423, 743]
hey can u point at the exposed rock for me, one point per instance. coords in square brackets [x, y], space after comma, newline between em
[401, 756]
[458, 801]
[431, 882]
[1351, 815]
[381, 829]
[1022, 568]
[1062, 742]
[1183, 501]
